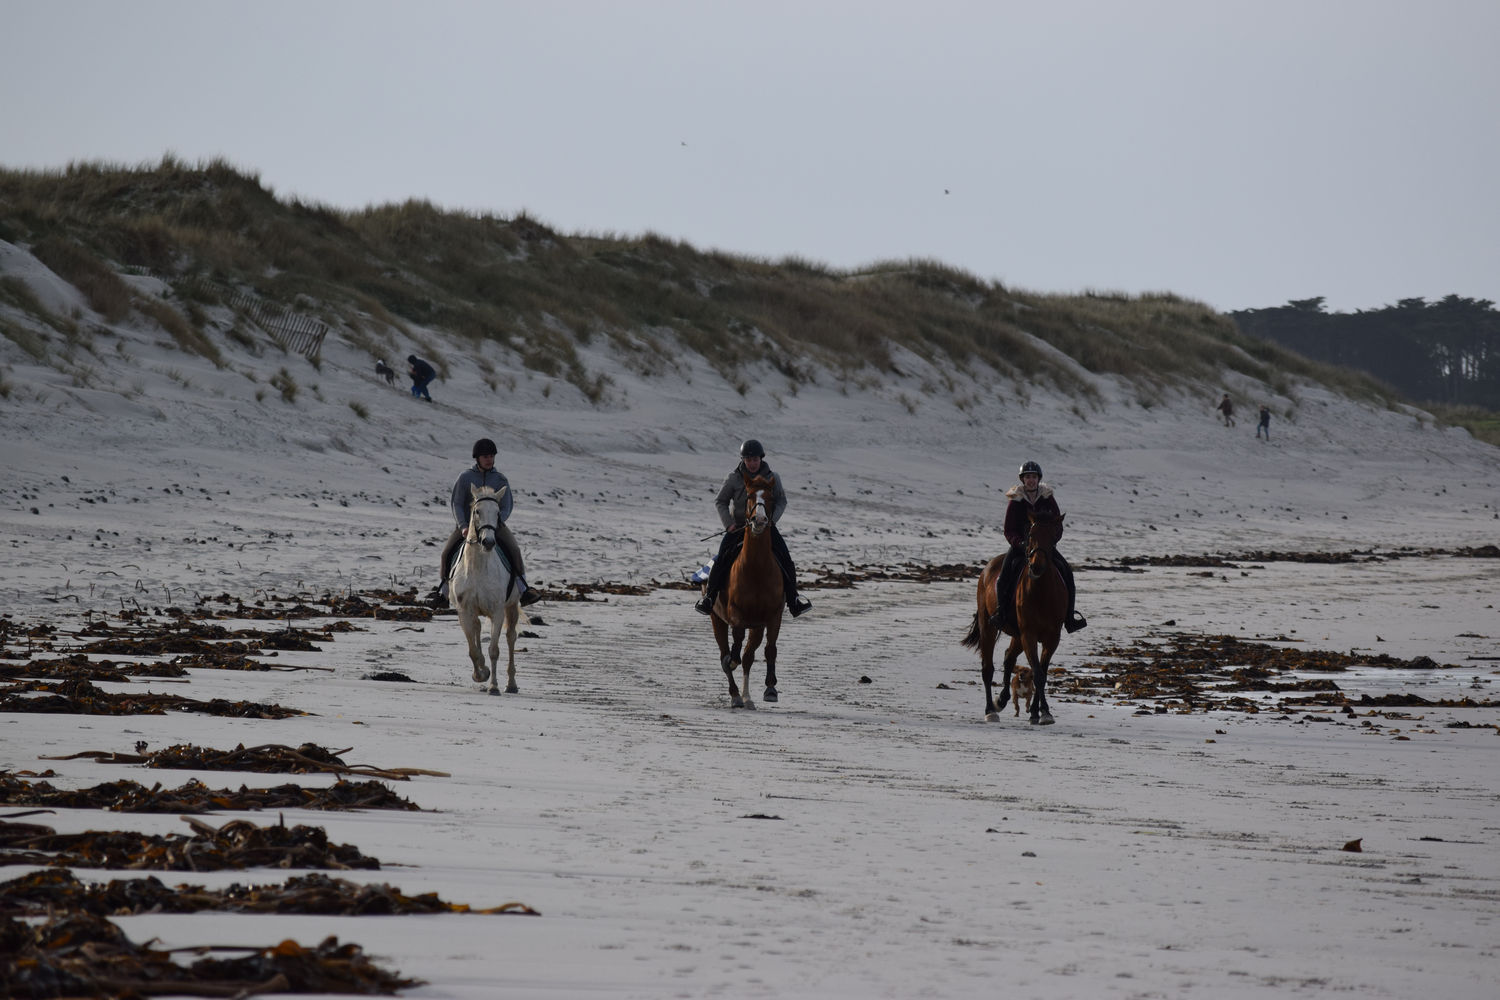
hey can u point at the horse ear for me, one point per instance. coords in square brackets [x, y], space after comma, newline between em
[1061, 518]
[473, 491]
[501, 492]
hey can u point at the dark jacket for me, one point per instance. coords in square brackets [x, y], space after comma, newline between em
[461, 499]
[421, 371]
[731, 498]
[1017, 521]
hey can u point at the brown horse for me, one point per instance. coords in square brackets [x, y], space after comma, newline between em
[1041, 606]
[753, 599]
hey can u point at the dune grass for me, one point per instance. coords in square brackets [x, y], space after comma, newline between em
[516, 283]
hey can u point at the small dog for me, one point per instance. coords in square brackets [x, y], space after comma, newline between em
[381, 368]
[1021, 688]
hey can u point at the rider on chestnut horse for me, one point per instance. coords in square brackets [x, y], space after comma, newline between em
[731, 505]
[1031, 496]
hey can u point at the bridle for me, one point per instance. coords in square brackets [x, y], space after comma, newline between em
[1033, 546]
[477, 538]
[756, 518]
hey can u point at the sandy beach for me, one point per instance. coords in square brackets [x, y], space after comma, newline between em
[869, 834]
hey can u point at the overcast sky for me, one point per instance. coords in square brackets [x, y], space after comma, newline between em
[1241, 153]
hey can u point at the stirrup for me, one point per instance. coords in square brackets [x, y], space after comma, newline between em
[705, 605]
[1074, 622]
[799, 606]
[530, 596]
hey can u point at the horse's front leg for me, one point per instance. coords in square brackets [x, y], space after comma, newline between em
[726, 659]
[752, 643]
[469, 620]
[1009, 666]
[771, 633]
[494, 654]
[512, 615]
[1040, 716]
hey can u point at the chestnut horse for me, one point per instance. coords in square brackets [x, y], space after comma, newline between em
[1041, 606]
[753, 599]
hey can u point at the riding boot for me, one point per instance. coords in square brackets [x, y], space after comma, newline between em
[705, 605]
[1074, 621]
[998, 619]
[795, 602]
[528, 594]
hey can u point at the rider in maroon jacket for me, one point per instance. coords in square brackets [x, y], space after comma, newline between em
[1032, 496]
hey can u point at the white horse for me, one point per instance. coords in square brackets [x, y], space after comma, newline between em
[482, 585]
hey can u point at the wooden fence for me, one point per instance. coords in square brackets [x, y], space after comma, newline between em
[288, 330]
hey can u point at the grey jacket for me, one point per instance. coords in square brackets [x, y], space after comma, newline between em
[461, 499]
[731, 498]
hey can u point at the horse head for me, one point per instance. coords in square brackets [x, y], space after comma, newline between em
[757, 491]
[1041, 537]
[484, 515]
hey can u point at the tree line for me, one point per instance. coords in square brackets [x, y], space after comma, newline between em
[1434, 352]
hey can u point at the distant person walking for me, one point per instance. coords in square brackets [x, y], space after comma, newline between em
[1264, 427]
[1226, 407]
[421, 373]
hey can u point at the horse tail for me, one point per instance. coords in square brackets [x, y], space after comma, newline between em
[972, 639]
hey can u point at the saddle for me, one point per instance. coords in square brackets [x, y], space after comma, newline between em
[458, 554]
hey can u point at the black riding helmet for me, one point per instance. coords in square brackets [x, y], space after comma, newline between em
[484, 446]
[752, 449]
[1030, 467]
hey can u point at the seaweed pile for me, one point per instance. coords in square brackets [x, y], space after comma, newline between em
[79, 696]
[235, 845]
[268, 758]
[196, 797]
[52, 890]
[76, 951]
[1186, 672]
[78, 954]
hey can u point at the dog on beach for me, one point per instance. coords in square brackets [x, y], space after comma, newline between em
[381, 368]
[1021, 687]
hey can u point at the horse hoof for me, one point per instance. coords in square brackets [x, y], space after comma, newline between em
[992, 717]
[736, 702]
[480, 676]
[770, 695]
[494, 691]
[512, 689]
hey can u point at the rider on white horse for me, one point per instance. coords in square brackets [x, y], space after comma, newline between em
[482, 473]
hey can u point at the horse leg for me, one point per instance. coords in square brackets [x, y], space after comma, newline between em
[494, 653]
[469, 619]
[512, 615]
[987, 638]
[1012, 653]
[772, 631]
[1042, 714]
[726, 659]
[752, 643]
[1038, 679]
